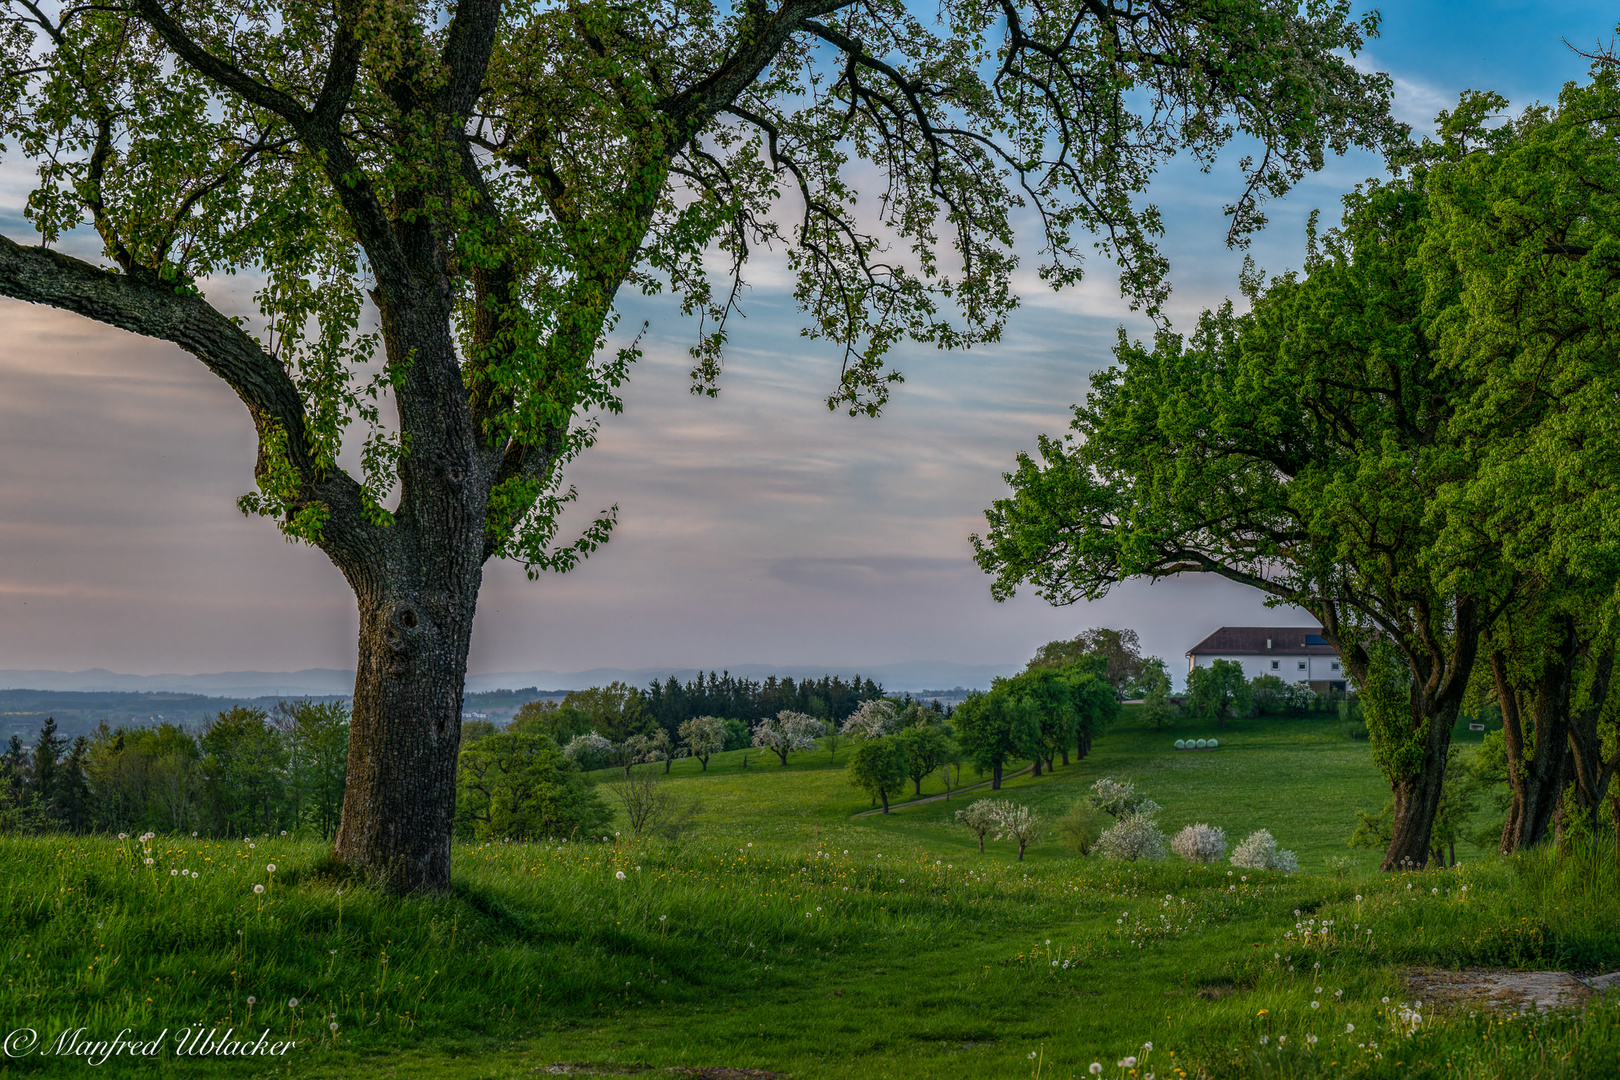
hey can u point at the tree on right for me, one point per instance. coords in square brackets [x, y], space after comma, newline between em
[1411, 440]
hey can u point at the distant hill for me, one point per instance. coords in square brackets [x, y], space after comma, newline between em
[912, 675]
[77, 712]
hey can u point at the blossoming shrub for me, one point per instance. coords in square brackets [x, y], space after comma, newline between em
[1260, 852]
[588, 751]
[1200, 843]
[1134, 836]
[1120, 799]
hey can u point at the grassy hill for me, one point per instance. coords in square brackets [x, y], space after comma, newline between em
[785, 934]
[1298, 777]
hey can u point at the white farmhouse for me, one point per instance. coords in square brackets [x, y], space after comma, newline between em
[1292, 653]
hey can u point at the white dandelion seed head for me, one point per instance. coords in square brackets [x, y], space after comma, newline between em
[271, 867]
[333, 1025]
[1129, 1063]
[292, 1003]
[258, 888]
[1096, 1068]
[619, 874]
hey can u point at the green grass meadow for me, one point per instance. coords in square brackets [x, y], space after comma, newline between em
[785, 933]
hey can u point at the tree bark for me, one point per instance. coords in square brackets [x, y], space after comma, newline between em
[1035, 766]
[995, 781]
[1417, 798]
[1538, 755]
[884, 795]
[405, 730]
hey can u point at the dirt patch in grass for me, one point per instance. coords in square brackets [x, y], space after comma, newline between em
[1501, 990]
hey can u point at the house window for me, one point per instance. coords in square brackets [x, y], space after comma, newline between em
[1302, 665]
[1275, 664]
[1335, 665]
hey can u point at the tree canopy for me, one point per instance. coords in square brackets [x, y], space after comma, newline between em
[1409, 441]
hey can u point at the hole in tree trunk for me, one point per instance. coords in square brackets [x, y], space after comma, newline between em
[407, 619]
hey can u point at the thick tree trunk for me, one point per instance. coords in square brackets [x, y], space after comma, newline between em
[1538, 756]
[1417, 798]
[1035, 767]
[404, 733]
[1065, 756]
[884, 795]
[995, 779]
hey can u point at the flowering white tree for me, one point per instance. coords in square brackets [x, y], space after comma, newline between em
[704, 737]
[1200, 843]
[786, 732]
[1260, 852]
[873, 720]
[663, 748]
[588, 751]
[1134, 836]
[1120, 799]
[981, 817]
[1020, 823]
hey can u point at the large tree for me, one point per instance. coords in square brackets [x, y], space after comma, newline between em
[1298, 449]
[1528, 214]
[488, 175]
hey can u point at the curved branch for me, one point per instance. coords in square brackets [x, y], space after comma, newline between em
[142, 304]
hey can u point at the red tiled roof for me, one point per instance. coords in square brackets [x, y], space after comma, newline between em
[1251, 641]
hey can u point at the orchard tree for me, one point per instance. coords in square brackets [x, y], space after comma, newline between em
[981, 817]
[996, 727]
[878, 767]
[786, 732]
[703, 737]
[873, 720]
[460, 188]
[1020, 823]
[1219, 690]
[927, 748]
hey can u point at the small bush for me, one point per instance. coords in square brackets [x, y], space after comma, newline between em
[1080, 827]
[1200, 843]
[1260, 852]
[1132, 837]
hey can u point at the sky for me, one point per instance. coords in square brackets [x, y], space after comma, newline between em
[755, 528]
